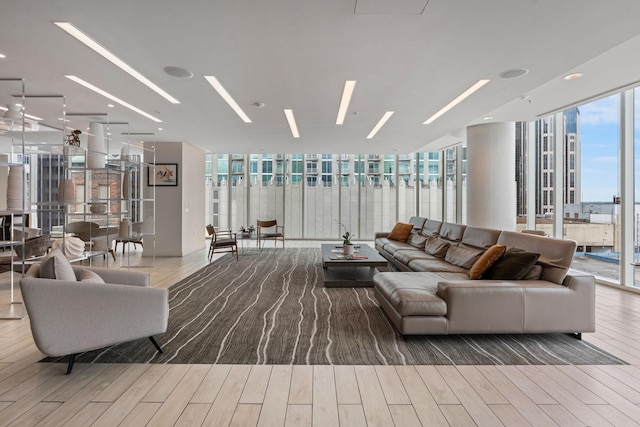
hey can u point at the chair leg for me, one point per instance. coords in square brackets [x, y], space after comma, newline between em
[72, 358]
[155, 344]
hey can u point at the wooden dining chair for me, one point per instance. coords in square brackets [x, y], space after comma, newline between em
[222, 241]
[269, 230]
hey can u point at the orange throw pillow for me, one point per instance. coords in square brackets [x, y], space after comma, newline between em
[486, 260]
[401, 232]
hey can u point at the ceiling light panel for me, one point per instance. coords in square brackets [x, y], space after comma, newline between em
[112, 97]
[105, 53]
[347, 92]
[292, 123]
[456, 101]
[380, 123]
[228, 99]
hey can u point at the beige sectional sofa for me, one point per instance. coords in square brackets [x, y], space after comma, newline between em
[431, 292]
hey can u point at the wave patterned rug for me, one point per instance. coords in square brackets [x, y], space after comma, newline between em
[271, 308]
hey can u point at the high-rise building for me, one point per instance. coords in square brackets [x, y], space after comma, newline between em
[544, 161]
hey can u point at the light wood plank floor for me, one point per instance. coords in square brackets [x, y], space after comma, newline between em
[40, 394]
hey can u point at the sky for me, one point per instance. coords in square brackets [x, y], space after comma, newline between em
[599, 140]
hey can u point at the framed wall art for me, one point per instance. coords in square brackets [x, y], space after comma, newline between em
[163, 175]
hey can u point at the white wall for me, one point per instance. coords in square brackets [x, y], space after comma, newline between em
[193, 200]
[179, 210]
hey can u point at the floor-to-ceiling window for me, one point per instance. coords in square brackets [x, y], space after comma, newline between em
[318, 196]
[636, 178]
[591, 177]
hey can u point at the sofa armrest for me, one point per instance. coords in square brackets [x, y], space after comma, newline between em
[381, 234]
[72, 317]
[119, 276]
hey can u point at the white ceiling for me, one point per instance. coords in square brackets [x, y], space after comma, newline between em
[408, 56]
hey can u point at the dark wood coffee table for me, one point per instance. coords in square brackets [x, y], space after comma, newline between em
[340, 271]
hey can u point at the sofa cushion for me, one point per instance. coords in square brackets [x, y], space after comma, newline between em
[417, 222]
[405, 256]
[431, 227]
[513, 265]
[555, 254]
[417, 240]
[436, 265]
[400, 232]
[480, 237]
[486, 260]
[56, 266]
[535, 273]
[88, 276]
[436, 247]
[411, 294]
[451, 231]
[462, 257]
[395, 245]
[381, 241]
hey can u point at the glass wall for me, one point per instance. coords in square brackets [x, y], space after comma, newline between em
[318, 196]
[636, 178]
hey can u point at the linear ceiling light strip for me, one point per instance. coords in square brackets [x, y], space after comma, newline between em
[228, 99]
[113, 98]
[105, 53]
[456, 101]
[292, 123]
[347, 92]
[381, 123]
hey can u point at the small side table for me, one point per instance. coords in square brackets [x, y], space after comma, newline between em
[242, 237]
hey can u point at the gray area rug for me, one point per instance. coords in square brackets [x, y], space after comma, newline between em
[270, 307]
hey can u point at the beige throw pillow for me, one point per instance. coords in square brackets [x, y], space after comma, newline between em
[56, 266]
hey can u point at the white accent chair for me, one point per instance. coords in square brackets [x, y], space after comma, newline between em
[69, 317]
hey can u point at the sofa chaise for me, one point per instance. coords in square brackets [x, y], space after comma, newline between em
[432, 292]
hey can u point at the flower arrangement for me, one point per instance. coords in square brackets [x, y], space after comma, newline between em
[347, 236]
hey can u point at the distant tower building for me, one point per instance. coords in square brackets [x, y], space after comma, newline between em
[543, 174]
[521, 161]
[572, 189]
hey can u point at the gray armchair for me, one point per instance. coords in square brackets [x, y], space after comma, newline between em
[68, 317]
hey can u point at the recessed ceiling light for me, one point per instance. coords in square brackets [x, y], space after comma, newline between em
[2, 56]
[110, 105]
[487, 118]
[113, 98]
[228, 99]
[514, 73]
[258, 104]
[347, 92]
[572, 76]
[159, 128]
[178, 72]
[456, 101]
[292, 123]
[380, 123]
[101, 50]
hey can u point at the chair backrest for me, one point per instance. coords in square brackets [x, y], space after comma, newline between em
[211, 230]
[83, 229]
[267, 224]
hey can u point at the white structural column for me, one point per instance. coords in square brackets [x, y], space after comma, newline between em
[491, 182]
[558, 175]
[627, 188]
